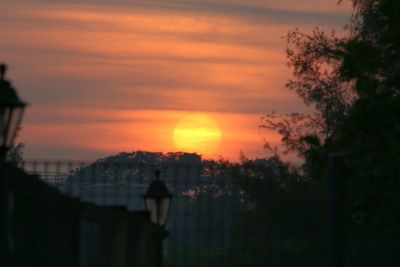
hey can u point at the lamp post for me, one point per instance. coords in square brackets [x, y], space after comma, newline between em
[157, 201]
[11, 112]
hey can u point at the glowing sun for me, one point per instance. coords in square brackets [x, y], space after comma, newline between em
[197, 133]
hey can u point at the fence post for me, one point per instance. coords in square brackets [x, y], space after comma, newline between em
[337, 188]
[119, 245]
[5, 250]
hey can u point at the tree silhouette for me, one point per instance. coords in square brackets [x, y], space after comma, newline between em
[353, 83]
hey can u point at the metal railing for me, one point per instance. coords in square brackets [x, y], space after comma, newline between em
[225, 214]
[204, 210]
[212, 222]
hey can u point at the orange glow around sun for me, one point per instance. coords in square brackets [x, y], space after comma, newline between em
[197, 133]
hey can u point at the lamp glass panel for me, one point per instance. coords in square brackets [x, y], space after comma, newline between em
[164, 210]
[151, 206]
[14, 122]
[4, 120]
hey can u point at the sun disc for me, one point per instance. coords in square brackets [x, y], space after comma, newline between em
[197, 133]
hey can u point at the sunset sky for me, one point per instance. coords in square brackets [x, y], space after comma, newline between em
[103, 77]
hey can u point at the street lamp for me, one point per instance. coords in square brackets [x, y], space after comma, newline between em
[157, 200]
[11, 112]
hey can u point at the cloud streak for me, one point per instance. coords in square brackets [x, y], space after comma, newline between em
[225, 58]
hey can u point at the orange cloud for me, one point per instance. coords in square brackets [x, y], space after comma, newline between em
[111, 78]
[111, 131]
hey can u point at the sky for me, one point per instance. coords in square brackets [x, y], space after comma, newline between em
[102, 77]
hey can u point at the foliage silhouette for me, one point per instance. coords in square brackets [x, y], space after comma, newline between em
[285, 219]
[353, 82]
